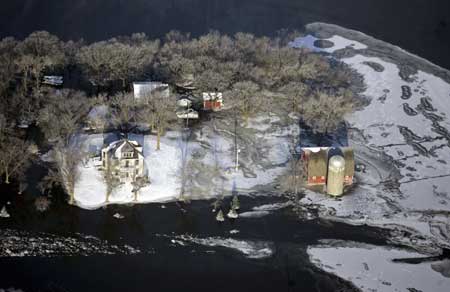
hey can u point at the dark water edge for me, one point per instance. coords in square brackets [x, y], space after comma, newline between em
[419, 26]
[192, 272]
[170, 267]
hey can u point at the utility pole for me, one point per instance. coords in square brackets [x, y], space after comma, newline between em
[237, 159]
[236, 149]
[187, 116]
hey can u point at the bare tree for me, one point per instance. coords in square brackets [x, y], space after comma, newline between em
[110, 179]
[40, 50]
[294, 96]
[138, 183]
[313, 67]
[124, 111]
[8, 57]
[116, 60]
[63, 114]
[66, 172]
[245, 98]
[159, 113]
[293, 180]
[15, 156]
[99, 116]
[324, 112]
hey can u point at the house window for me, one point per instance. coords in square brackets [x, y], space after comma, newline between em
[128, 154]
[126, 164]
[136, 162]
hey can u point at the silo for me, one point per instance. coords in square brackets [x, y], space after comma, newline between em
[336, 172]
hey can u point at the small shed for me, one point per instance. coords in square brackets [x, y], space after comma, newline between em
[53, 80]
[142, 89]
[212, 101]
[316, 161]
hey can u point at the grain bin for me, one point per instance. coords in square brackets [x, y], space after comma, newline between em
[336, 173]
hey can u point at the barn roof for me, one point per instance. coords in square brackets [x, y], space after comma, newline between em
[349, 157]
[317, 161]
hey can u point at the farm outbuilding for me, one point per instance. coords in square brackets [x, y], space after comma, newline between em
[212, 101]
[315, 161]
[316, 165]
[142, 89]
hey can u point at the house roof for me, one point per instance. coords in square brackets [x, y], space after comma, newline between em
[212, 96]
[124, 145]
[147, 87]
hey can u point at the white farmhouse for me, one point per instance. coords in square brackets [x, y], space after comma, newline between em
[142, 89]
[125, 159]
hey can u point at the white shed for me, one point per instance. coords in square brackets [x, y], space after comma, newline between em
[141, 89]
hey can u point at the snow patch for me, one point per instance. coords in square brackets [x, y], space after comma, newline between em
[339, 43]
[251, 249]
[371, 268]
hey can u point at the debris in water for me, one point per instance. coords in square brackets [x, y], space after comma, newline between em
[235, 204]
[232, 214]
[118, 216]
[219, 216]
[4, 213]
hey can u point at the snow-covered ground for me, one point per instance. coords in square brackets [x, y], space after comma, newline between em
[162, 167]
[264, 152]
[402, 140]
[338, 43]
[371, 268]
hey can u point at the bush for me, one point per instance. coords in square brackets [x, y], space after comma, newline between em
[42, 204]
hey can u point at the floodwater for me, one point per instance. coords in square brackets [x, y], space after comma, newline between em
[172, 267]
[419, 26]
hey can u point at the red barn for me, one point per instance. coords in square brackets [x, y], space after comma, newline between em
[212, 101]
[315, 164]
